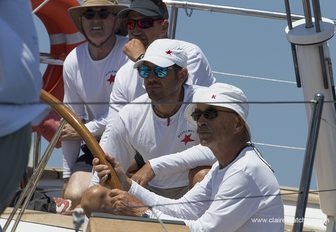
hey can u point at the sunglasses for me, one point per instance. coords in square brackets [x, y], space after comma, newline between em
[142, 23]
[102, 14]
[159, 72]
[209, 113]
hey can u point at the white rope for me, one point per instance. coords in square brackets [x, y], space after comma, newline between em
[160, 221]
[40, 6]
[254, 77]
[280, 146]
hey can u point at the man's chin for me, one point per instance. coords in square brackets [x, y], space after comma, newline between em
[204, 139]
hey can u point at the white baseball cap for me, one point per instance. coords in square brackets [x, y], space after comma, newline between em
[222, 95]
[164, 53]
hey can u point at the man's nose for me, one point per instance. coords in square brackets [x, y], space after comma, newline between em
[202, 120]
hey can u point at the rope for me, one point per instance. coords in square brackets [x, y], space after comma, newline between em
[254, 77]
[280, 146]
[40, 6]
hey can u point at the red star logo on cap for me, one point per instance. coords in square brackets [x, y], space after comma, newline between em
[111, 79]
[213, 96]
[169, 52]
[187, 139]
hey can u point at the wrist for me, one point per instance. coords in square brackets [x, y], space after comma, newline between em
[147, 213]
[140, 57]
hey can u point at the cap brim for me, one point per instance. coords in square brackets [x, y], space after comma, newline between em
[191, 108]
[146, 12]
[157, 60]
[187, 114]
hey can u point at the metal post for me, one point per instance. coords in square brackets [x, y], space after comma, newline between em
[32, 184]
[307, 13]
[317, 16]
[173, 22]
[36, 150]
[308, 164]
[293, 48]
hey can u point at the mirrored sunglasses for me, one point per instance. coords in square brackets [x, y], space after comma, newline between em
[102, 14]
[159, 72]
[142, 23]
[209, 114]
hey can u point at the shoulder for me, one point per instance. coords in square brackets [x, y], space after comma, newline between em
[191, 48]
[75, 54]
[252, 165]
[137, 107]
[119, 44]
[122, 40]
[126, 72]
[190, 90]
[127, 67]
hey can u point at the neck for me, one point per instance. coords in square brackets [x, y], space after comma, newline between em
[167, 110]
[230, 152]
[99, 52]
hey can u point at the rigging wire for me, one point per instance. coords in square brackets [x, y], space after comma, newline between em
[294, 193]
[167, 102]
[254, 77]
[40, 6]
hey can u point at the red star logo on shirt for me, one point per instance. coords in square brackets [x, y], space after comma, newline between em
[111, 79]
[169, 52]
[213, 96]
[187, 139]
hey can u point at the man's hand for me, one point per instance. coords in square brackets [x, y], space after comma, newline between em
[132, 169]
[134, 48]
[122, 203]
[69, 133]
[101, 199]
[144, 175]
[104, 173]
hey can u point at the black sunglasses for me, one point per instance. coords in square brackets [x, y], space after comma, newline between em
[102, 14]
[209, 113]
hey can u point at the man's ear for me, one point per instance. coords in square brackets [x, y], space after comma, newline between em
[164, 27]
[183, 75]
[240, 124]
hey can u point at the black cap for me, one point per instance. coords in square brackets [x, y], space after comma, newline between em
[150, 8]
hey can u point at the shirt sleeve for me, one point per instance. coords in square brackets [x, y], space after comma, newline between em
[183, 208]
[234, 203]
[118, 97]
[97, 126]
[70, 149]
[71, 95]
[117, 143]
[193, 157]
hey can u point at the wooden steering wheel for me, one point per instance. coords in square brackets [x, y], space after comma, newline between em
[77, 124]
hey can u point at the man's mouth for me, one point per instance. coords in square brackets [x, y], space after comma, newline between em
[96, 28]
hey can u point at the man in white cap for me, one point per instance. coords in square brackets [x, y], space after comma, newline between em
[240, 193]
[147, 20]
[89, 72]
[154, 125]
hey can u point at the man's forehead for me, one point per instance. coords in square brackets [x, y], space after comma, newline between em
[204, 106]
[149, 64]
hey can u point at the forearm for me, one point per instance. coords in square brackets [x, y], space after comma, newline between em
[96, 127]
[70, 150]
[193, 157]
[178, 209]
